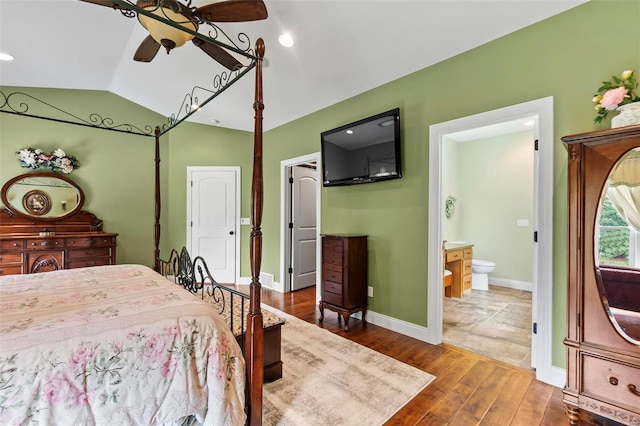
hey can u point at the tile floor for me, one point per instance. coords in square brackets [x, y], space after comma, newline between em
[494, 323]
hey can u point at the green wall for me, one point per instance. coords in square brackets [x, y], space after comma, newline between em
[566, 57]
[495, 191]
[116, 170]
[200, 145]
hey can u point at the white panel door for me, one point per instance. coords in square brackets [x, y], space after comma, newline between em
[303, 199]
[213, 206]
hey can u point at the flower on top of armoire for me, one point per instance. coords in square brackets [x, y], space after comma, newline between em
[619, 91]
[58, 160]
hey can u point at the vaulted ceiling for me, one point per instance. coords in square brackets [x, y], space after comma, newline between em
[342, 48]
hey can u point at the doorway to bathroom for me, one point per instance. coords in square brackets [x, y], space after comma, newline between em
[487, 182]
[540, 225]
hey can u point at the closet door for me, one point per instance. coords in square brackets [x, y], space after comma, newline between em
[212, 219]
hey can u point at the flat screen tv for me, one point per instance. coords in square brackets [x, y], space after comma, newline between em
[365, 151]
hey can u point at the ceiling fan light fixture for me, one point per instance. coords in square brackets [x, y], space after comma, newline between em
[164, 34]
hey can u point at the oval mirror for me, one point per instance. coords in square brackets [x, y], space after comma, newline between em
[617, 242]
[42, 196]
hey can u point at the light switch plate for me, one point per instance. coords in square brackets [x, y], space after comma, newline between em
[245, 221]
[522, 222]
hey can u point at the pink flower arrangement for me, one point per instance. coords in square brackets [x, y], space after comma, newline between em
[615, 93]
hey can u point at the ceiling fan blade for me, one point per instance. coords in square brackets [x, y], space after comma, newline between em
[218, 53]
[147, 50]
[233, 11]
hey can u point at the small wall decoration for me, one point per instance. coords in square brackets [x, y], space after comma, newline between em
[36, 202]
[449, 206]
[57, 161]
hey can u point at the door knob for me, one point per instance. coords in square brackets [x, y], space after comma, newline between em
[231, 232]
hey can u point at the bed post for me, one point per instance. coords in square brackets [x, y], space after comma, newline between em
[254, 335]
[156, 226]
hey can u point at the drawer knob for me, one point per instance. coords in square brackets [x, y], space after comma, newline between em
[613, 381]
[633, 389]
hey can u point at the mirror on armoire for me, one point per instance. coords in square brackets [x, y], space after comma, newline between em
[617, 240]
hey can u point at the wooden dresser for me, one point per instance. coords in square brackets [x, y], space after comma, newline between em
[603, 312]
[28, 246]
[344, 276]
[458, 259]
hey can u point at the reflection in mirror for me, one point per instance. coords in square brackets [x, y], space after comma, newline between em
[42, 196]
[618, 245]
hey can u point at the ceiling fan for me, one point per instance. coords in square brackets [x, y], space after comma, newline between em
[161, 34]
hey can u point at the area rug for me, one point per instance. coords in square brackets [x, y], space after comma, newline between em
[329, 380]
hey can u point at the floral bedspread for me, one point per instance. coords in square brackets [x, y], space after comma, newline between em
[114, 345]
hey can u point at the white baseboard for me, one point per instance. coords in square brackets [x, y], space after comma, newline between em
[558, 377]
[518, 285]
[277, 286]
[397, 325]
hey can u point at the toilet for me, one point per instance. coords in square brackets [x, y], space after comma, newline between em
[480, 273]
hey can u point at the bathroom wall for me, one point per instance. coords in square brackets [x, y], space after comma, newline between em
[495, 183]
[451, 227]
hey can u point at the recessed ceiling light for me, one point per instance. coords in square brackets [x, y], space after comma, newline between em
[529, 123]
[286, 40]
[349, 132]
[5, 57]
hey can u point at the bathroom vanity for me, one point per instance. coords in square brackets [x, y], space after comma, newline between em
[458, 258]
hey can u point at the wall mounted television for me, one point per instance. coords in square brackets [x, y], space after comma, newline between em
[364, 151]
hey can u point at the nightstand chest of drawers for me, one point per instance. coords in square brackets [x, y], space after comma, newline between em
[344, 276]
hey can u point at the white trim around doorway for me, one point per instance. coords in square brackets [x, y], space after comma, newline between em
[284, 182]
[543, 259]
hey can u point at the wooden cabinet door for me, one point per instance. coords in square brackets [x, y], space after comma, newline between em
[45, 261]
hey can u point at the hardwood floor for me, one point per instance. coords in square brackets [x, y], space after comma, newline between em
[469, 389]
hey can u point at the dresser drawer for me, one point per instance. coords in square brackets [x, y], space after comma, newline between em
[84, 253]
[98, 261]
[332, 242]
[333, 267]
[332, 287]
[332, 259]
[334, 299]
[467, 268]
[468, 253]
[454, 255]
[332, 276]
[97, 241]
[45, 244]
[10, 258]
[11, 244]
[332, 251]
[466, 282]
[609, 381]
[10, 269]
